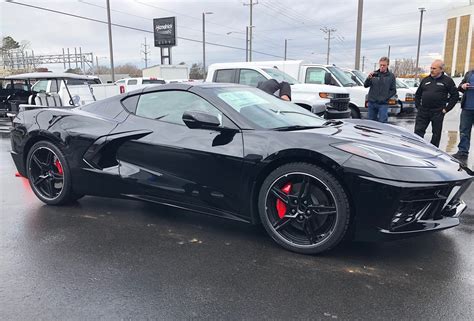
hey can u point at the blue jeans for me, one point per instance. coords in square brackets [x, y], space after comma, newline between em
[465, 126]
[378, 112]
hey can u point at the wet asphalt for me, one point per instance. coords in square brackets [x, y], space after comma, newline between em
[126, 260]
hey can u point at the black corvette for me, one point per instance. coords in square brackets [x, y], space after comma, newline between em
[239, 153]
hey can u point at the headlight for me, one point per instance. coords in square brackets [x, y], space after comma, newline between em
[382, 155]
[409, 97]
[326, 95]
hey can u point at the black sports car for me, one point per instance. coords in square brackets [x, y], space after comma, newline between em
[239, 153]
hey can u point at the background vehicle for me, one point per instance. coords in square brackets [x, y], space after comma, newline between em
[310, 73]
[236, 152]
[319, 99]
[129, 84]
[170, 73]
[412, 83]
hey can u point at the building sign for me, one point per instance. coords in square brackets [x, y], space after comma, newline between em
[164, 30]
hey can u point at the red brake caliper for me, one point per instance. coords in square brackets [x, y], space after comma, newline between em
[281, 207]
[58, 166]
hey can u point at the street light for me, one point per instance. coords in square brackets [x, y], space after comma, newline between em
[419, 40]
[246, 41]
[204, 42]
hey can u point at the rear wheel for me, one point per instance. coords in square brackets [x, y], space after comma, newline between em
[354, 112]
[49, 174]
[304, 208]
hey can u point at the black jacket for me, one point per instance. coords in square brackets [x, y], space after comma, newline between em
[382, 87]
[466, 78]
[436, 94]
[271, 86]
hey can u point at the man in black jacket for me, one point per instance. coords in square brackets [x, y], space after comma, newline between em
[467, 116]
[382, 88]
[281, 89]
[436, 95]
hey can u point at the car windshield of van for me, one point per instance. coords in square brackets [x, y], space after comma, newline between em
[280, 75]
[345, 80]
[362, 76]
[267, 111]
[401, 84]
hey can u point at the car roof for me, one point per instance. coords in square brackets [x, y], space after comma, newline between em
[47, 75]
[187, 86]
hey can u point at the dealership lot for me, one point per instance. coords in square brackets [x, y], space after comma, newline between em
[120, 259]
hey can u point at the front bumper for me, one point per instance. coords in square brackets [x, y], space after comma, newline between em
[409, 107]
[337, 114]
[394, 110]
[386, 209]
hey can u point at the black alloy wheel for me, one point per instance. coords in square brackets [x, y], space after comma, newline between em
[49, 175]
[304, 208]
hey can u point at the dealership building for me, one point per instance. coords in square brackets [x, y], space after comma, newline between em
[459, 42]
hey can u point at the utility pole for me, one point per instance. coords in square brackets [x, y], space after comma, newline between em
[247, 43]
[328, 31]
[363, 63]
[388, 52]
[145, 51]
[251, 4]
[375, 66]
[110, 41]
[204, 42]
[419, 41]
[286, 46]
[359, 34]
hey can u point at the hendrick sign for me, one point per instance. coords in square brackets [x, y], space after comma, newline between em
[165, 31]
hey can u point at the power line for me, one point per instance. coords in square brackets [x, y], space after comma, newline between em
[134, 28]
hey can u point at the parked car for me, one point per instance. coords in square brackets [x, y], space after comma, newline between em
[129, 84]
[236, 152]
[319, 99]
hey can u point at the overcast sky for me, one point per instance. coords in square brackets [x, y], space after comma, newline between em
[385, 23]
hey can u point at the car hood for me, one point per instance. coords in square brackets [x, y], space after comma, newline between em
[386, 136]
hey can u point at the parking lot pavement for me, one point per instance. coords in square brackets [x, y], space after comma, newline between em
[118, 259]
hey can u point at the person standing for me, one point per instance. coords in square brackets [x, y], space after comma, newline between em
[382, 88]
[436, 95]
[467, 116]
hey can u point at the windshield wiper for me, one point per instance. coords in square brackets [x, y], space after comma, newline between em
[295, 127]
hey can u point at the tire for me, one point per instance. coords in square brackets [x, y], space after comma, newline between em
[304, 220]
[354, 113]
[49, 174]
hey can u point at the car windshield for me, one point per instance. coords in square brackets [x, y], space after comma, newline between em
[410, 82]
[350, 75]
[280, 75]
[401, 84]
[267, 111]
[345, 80]
[362, 76]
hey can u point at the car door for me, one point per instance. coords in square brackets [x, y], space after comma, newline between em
[195, 167]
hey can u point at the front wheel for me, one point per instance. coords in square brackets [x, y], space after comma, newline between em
[304, 208]
[49, 174]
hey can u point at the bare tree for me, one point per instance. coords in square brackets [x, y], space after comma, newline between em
[405, 67]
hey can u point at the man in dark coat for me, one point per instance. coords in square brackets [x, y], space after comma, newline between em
[281, 89]
[436, 95]
[382, 87]
[467, 116]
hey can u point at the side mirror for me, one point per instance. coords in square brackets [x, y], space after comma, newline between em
[199, 119]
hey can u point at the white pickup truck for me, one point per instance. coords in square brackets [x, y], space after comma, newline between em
[310, 73]
[320, 99]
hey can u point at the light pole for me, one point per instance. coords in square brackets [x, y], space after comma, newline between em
[204, 42]
[286, 46]
[419, 41]
[110, 41]
[246, 41]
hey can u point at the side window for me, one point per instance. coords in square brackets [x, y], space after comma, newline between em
[119, 82]
[225, 75]
[130, 103]
[250, 77]
[40, 86]
[170, 105]
[315, 75]
[132, 82]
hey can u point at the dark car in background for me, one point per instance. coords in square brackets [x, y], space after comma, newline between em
[236, 152]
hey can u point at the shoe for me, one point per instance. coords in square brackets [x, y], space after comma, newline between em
[460, 156]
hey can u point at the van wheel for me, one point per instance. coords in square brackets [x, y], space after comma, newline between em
[354, 112]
